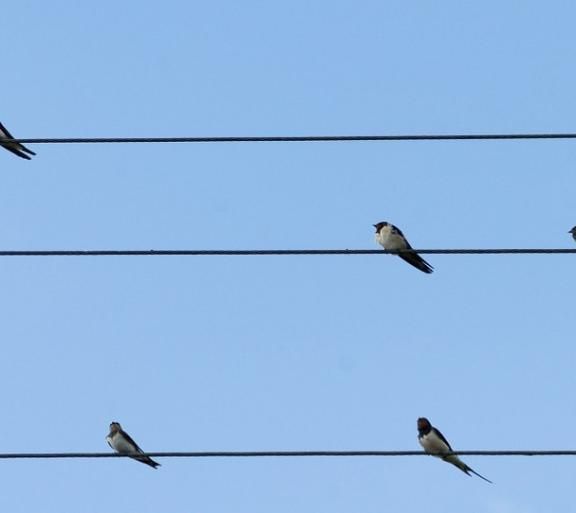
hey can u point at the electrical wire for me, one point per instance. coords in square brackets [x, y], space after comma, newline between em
[278, 252]
[305, 138]
[275, 454]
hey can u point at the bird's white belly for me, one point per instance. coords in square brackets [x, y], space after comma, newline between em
[395, 242]
[433, 444]
[390, 240]
[122, 445]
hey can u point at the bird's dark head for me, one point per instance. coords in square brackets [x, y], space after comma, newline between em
[115, 426]
[424, 425]
[381, 225]
[573, 231]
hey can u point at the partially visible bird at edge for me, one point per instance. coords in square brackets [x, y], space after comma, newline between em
[15, 147]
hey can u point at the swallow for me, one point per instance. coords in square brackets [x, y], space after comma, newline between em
[391, 238]
[435, 444]
[14, 147]
[121, 442]
[573, 232]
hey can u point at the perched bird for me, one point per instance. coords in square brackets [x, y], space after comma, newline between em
[573, 232]
[14, 147]
[435, 444]
[390, 238]
[121, 442]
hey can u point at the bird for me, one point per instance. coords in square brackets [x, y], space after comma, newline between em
[122, 443]
[15, 147]
[391, 237]
[435, 444]
[573, 232]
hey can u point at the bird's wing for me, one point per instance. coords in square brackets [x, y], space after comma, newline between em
[130, 441]
[7, 134]
[443, 438]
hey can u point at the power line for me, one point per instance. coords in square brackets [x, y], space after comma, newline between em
[280, 252]
[280, 454]
[305, 138]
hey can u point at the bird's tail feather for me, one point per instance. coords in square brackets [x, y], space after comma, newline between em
[417, 261]
[147, 460]
[479, 475]
[17, 151]
[457, 462]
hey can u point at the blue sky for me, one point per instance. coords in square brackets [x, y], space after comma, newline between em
[287, 353]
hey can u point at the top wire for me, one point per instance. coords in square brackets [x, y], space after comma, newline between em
[305, 138]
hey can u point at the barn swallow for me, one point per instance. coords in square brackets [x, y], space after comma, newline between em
[14, 147]
[435, 444]
[573, 232]
[391, 238]
[121, 442]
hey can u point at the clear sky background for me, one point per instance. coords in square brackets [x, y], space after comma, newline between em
[287, 353]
